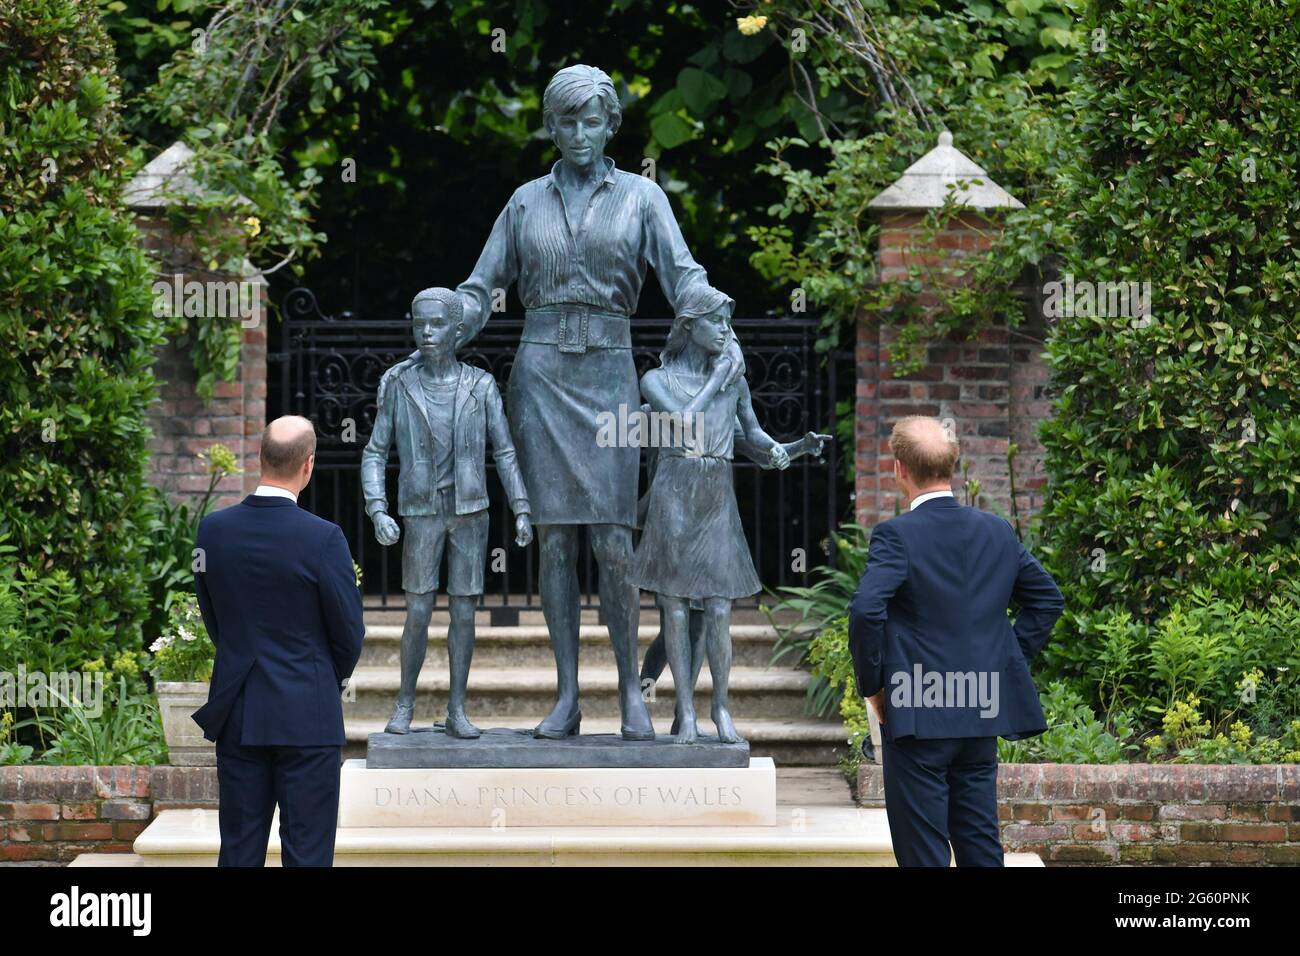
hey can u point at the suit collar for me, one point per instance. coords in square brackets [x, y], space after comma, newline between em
[934, 499]
[269, 501]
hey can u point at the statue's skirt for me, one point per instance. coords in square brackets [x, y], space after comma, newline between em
[556, 400]
[693, 545]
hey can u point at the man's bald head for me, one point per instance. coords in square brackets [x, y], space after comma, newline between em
[287, 443]
[927, 449]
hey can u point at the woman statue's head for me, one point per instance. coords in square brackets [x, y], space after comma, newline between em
[703, 317]
[581, 112]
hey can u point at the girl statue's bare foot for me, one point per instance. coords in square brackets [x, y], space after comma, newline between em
[672, 731]
[726, 729]
[687, 732]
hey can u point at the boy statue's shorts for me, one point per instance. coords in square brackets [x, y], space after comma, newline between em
[424, 537]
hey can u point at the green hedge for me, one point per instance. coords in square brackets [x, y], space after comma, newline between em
[1174, 453]
[77, 338]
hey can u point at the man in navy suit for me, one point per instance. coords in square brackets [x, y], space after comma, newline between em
[937, 658]
[279, 598]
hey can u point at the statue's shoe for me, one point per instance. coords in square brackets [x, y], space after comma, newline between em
[555, 730]
[401, 719]
[460, 727]
[636, 718]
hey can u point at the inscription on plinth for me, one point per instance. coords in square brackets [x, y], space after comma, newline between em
[558, 797]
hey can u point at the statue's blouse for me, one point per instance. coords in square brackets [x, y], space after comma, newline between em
[599, 262]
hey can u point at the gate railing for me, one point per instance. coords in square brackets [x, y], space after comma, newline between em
[328, 369]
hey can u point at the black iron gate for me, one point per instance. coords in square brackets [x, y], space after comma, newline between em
[328, 370]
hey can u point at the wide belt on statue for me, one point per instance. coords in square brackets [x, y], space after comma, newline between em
[576, 328]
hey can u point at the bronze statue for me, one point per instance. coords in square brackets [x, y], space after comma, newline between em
[440, 412]
[693, 548]
[576, 242]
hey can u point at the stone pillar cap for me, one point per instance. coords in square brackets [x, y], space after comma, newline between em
[165, 179]
[927, 183]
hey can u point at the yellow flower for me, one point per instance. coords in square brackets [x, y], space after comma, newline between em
[254, 225]
[750, 25]
[220, 460]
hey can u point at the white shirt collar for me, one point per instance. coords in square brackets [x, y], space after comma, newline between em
[273, 492]
[922, 499]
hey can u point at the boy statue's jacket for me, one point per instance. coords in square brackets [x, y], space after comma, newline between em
[401, 416]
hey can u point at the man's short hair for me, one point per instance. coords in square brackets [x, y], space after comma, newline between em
[283, 459]
[928, 461]
[448, 297]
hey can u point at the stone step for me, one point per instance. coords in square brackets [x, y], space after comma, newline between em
[523, 691]
[812, 836]
[529, 645]
[803, 836]
[796, 742]
[136, 860]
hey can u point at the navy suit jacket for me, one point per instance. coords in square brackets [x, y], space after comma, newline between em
[929, 624]
[280, 601]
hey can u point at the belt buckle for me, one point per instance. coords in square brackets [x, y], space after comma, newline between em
[573, 336]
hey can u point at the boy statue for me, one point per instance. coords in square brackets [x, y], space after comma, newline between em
[440, 412]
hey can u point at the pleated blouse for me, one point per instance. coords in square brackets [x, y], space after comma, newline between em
[627, 225]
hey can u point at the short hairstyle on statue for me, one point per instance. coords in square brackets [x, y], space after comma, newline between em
[448, 297]
[570, 89]
[283, 457]
[927, 449]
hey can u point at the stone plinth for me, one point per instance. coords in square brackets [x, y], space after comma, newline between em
[558, 797]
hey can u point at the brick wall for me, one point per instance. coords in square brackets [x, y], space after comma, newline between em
[1161, 814]
[991, 386]
[184, 424]
[181, 421]
[53, 814]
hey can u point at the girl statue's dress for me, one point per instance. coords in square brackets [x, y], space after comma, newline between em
[693, 545]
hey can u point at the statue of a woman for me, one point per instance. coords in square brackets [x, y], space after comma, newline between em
[577, 241]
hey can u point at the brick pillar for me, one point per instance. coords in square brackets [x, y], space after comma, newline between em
[992, 387]
[185, 424]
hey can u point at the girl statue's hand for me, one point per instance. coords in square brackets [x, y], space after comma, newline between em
[732, 352]
[722, 368]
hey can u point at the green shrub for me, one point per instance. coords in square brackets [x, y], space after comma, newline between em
[77, 339]
[127, 731]
[1174, 452]
[1187, 738]
[1074, 734]
[828, 653]
[821, 606]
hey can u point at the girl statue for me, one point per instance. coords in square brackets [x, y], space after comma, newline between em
[693, 547]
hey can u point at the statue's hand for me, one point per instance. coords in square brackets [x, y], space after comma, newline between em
[523, 531]
[386, 530]
[779, 457]
[814, 444]
[733, 353]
